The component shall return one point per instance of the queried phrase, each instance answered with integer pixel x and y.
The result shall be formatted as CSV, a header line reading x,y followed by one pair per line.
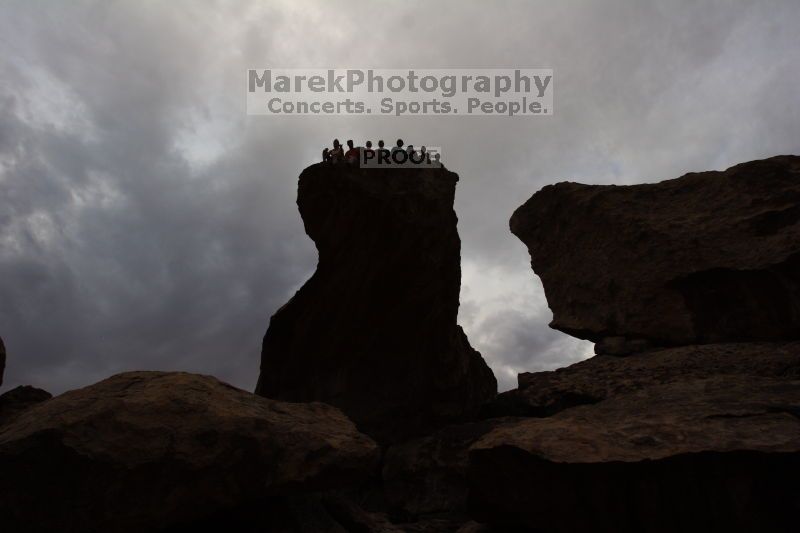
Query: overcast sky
x,y
146,222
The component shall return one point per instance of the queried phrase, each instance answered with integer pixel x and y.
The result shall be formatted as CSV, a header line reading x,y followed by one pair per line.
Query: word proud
x,y
400,158
396,92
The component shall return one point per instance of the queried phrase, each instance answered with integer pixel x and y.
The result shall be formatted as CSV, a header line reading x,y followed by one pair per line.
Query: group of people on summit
x,y
355,154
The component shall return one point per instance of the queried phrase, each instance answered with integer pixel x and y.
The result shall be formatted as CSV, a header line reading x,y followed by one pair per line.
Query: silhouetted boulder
x,y
714,454
143,451
17,400
374,330
708,257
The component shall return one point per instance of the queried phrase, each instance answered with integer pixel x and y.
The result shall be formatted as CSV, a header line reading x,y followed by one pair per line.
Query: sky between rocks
x,y
147,223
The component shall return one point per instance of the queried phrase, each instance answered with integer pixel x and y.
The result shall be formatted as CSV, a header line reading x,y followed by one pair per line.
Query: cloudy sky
x,y
146,222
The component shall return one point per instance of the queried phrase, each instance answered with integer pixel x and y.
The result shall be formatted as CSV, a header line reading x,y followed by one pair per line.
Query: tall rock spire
x,y
374,330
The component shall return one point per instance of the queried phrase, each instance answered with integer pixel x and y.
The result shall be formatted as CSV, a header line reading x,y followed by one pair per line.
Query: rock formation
x,y
603,376
714,429
721,453
374,330
633,399
695,280
143,451
701,435
17,400
708,257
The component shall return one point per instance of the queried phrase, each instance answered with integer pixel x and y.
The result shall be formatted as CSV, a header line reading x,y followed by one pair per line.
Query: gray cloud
x,y
146,222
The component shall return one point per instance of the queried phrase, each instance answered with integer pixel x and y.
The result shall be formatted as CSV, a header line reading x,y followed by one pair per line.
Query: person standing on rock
x,y
383,153
337,154
424,156
368,151
352,153
398,154
399,147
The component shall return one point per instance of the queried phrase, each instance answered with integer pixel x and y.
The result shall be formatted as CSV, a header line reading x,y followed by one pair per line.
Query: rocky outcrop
x,y
603,376
374,330
688,433
708,257
17,400
714,454
144,451
697,281
436,473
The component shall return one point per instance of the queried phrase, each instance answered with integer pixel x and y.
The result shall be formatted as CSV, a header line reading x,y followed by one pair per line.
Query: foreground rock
x,y
144,451
374,330
17,400
715,454
708,257
428,475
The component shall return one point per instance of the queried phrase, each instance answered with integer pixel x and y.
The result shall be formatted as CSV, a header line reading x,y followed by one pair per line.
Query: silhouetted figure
x,y
398,154
424,156
368,151
383,153
352,153
337,154
326,158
